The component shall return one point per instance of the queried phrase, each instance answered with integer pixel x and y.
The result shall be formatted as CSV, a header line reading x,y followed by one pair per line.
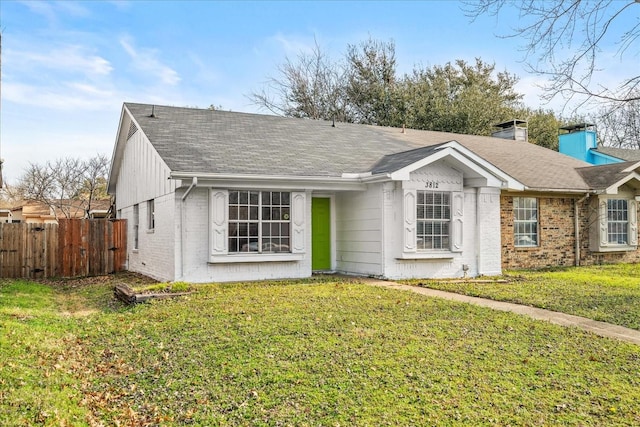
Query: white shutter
x,y
219,223
298,215
632,208
409,221
457,207
602,223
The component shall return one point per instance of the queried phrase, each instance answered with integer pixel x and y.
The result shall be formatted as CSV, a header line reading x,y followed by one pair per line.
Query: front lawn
x,y
609,293
316,352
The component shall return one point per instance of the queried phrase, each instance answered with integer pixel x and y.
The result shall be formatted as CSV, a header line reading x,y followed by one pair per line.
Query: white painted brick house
x,y
222,196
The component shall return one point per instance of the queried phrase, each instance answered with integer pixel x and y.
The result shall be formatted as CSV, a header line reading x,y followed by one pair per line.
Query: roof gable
x,y
608,178
476,171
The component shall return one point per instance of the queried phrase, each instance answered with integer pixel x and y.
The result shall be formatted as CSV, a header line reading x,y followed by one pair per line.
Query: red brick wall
x,y
556,236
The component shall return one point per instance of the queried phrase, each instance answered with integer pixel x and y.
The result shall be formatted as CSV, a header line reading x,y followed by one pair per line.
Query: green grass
x,y
315,352
609,293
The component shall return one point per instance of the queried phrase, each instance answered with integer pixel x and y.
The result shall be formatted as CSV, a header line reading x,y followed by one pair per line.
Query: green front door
x,y
321,234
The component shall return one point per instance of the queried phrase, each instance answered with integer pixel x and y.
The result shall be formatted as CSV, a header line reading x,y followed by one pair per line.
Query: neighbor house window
x,y
617,222
614,224
259,221
433,220
151,214
525,223
136,224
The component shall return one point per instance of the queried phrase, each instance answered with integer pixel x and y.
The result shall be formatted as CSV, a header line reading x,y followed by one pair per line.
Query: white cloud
x,y
65,96
69,59
146,60
292,45
51,10
41,8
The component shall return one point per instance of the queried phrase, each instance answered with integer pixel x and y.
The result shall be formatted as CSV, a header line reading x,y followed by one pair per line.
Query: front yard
x,y
608,293
319,352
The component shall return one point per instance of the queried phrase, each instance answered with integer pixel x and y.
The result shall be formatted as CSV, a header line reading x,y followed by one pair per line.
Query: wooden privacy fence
x,y
71,248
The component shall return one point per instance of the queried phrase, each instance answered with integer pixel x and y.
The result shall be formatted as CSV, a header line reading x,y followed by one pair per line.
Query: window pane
x,y
233,212
253,213
266,214
253,198
243,197
433,210
243,213
525,224
617,221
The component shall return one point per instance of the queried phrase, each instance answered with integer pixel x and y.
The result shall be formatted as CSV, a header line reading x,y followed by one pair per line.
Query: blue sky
x,y
67,67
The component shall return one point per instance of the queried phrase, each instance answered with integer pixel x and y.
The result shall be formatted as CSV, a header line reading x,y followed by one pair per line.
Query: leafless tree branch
x,y
563,40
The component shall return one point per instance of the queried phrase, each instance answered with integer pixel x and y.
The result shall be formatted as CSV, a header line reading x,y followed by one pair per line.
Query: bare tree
x,y
620,127
564,38
94,185
60,184
310,87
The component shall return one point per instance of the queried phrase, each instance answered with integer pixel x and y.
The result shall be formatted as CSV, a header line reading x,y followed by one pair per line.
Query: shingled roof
x,y
628,154
200,141
605,176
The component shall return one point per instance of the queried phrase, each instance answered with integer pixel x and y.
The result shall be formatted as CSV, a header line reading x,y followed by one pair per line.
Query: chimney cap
x,y
511,123
578,127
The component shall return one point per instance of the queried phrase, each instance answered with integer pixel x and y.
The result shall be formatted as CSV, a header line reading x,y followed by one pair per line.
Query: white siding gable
x,y
142,176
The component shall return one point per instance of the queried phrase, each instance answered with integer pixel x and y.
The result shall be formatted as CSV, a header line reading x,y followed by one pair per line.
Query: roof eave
x,y
272,181
556,190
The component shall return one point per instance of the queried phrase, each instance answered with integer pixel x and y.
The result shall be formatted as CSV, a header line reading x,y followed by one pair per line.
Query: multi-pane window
x,y
525,223
433,220
136,223
151,214
617,221
259,221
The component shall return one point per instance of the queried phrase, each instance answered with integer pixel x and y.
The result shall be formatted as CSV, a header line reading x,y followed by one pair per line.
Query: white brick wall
x,y
198,269
155,254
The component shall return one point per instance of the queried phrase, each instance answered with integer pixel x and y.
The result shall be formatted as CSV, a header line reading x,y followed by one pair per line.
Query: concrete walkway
x,y
598,328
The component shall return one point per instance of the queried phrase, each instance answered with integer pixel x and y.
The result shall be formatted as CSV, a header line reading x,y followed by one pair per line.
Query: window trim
x,y
526,222
599,231
410,220
151,215
136,227
442,221
625,211
261,222
219,229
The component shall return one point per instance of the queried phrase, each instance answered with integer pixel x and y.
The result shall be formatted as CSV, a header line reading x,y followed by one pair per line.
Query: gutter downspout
x,y
194,183
576,225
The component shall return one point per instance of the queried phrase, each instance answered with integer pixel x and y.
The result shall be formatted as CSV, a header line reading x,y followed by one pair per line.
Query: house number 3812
x,y
431,184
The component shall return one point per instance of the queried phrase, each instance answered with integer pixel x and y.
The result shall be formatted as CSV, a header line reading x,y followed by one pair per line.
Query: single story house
x,y
224,196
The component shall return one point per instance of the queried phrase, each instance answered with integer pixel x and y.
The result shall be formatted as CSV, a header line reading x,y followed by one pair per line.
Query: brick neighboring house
x,y
39,213
223,196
